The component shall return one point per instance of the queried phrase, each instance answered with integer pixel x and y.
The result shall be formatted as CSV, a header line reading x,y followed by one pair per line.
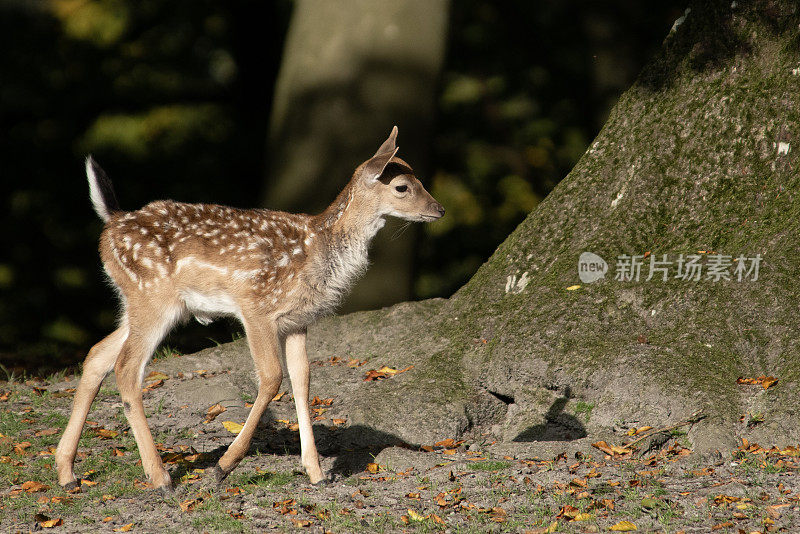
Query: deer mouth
x,y
429,218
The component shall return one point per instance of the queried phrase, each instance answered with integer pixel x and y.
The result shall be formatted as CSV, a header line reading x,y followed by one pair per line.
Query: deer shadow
x,y
557,426
353,447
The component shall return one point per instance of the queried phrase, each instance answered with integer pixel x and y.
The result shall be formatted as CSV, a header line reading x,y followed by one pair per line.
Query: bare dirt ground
x,y
377,484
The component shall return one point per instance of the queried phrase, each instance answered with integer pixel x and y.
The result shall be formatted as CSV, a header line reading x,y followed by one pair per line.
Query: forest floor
x,y
471,485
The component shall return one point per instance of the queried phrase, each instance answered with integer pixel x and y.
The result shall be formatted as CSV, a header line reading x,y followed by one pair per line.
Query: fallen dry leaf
x,y
301,522
768,381
105,433
155,375
573,288
50,523
33,486
153,385
124,528
189,505
232,427
623,526
568,511
213,412
384,372
278,396
544,530
373,468
763,380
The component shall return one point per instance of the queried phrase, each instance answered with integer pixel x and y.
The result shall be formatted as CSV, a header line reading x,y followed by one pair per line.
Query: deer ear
x,y
376,165
388,145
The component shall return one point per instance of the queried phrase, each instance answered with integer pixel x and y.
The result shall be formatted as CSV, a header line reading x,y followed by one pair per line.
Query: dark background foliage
x,y
173,98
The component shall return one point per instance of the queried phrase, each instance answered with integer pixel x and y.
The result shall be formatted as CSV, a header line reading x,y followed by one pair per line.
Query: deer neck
x,y
346,228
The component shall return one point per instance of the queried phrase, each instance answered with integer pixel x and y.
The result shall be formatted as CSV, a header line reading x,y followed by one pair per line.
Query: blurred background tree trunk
x,y
350,71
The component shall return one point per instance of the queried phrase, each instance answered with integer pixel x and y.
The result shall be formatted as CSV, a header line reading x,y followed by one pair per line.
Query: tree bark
x,y
351,70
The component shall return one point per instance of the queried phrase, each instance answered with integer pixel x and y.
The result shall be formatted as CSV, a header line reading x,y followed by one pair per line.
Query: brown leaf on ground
x,y
301,523
278,396
373,468
213,412
105,433
155,375
498,515
124,528
33,486
316,401
768,382
189,505
47,432
384,372
568,511
153,385
50,523
285,507
763,380
544,530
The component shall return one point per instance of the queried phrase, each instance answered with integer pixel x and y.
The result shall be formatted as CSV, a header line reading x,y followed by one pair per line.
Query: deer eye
x,y
401,188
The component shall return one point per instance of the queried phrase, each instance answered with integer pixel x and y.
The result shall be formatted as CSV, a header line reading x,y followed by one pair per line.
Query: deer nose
x,y
435,206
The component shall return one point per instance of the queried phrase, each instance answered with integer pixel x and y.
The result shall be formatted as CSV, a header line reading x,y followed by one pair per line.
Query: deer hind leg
x,y
147,328
262,338
99,362
297,365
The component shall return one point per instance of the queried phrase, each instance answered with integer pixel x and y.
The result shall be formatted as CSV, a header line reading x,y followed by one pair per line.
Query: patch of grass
x,y
584,408
10,424
266,479
165,352
340,520
215,518
489,466
11,376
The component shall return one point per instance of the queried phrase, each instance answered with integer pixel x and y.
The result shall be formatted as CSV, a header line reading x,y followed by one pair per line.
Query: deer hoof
x,y
71,487
220,474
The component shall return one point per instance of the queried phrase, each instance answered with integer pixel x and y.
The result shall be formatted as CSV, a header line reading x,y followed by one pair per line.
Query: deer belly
x,y
208,306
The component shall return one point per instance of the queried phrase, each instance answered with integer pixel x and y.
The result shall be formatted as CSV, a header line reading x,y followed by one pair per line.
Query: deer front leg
x,y
99,362
262,338
297,365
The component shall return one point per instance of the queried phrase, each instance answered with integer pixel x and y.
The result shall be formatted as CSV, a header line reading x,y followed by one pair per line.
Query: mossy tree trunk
x,y
350,71
701,154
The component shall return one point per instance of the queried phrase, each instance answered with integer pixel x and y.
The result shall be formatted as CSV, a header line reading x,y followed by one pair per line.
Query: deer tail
x,y
101,191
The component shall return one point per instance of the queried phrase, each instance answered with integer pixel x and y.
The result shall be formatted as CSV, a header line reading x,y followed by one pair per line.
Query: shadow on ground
x,y
352,447
557,426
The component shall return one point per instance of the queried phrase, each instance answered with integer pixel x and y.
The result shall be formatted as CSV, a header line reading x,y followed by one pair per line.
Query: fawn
x,y
275,272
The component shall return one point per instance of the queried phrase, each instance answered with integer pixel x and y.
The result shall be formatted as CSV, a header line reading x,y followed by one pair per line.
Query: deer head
x,y
388,184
